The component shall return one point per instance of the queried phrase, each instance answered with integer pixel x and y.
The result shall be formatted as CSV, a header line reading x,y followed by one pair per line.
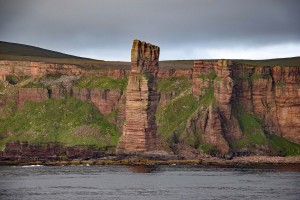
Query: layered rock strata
x,y
269,93
38,69
140,129
213,85
273,95
31,94
106,101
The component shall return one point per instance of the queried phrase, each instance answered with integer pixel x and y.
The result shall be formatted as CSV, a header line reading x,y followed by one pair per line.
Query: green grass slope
x,y
68,121
172,118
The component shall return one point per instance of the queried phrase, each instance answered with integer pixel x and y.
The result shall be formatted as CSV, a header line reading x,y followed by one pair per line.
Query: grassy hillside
x,y
68,121
172,118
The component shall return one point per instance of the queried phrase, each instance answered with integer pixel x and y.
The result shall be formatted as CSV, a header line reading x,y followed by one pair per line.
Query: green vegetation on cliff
x,y
8,103
174,84
211,75
283,146
100,82
1,85
172,118
253,132
207,95
208,98
208,148
68,121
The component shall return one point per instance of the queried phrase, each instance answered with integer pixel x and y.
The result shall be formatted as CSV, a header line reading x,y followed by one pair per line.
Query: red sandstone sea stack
x,y
140,129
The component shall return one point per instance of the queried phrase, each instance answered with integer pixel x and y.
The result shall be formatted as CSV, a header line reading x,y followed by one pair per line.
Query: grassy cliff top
x,y
21,52
293,61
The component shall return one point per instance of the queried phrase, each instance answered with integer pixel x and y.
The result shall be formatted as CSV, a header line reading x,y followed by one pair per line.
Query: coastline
x,y
211,161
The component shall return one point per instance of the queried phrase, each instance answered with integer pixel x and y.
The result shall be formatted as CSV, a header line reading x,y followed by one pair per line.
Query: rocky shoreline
x,y
237,161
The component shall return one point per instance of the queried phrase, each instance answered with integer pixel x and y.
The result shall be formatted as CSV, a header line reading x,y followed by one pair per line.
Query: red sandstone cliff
x,y
273,94
270,93
39,69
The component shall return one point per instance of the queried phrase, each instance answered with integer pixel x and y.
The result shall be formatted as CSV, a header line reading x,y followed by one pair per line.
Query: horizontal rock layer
x,y
270,93
140,129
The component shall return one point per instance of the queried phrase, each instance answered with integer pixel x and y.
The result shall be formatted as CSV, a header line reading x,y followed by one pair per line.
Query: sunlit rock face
x,y
140,129
271,94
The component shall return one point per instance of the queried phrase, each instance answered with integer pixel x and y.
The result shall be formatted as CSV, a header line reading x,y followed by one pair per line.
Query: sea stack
x,y
140,130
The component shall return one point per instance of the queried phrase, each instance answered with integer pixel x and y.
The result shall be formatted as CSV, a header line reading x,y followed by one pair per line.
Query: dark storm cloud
x,y
106,28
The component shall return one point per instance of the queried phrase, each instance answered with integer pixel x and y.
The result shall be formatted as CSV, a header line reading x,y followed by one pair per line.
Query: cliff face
x,y
140,130
39,69
271,93
108,102
105,100
217,107
232,96
213,86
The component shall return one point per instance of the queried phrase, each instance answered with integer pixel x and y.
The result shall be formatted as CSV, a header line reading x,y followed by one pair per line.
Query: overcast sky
x,y
184,29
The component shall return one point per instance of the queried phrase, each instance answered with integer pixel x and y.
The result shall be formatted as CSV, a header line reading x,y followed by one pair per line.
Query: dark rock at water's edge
x,y
24,151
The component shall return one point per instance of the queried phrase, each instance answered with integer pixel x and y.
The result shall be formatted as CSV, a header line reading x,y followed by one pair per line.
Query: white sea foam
x,y
32,166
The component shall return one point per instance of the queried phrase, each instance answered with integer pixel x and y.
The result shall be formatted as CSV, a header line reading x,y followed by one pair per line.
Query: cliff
x,y
242,103
218,107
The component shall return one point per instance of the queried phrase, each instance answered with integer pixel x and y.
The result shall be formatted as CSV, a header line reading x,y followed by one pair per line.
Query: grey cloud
x,y
75,26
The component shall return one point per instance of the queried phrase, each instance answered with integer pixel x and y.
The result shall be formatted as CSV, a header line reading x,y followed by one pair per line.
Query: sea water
x,y
142,182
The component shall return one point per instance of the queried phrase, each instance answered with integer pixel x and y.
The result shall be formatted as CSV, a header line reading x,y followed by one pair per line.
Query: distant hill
x,y
21,52
287,62
15,50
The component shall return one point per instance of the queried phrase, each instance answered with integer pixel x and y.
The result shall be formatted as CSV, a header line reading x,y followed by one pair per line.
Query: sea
x,y
35,182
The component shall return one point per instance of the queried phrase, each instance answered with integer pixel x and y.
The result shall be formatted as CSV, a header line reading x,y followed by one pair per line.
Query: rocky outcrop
x,y
31,94
105,100
140,130
50,151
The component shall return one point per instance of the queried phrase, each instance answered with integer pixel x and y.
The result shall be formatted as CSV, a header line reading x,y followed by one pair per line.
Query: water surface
x,y
161,182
